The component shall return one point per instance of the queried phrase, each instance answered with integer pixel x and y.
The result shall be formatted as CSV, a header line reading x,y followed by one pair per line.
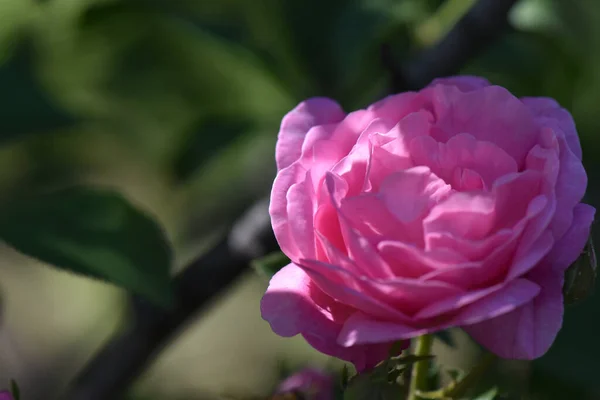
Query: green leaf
x,y
25,106
488,395
14,388
270,264
93,232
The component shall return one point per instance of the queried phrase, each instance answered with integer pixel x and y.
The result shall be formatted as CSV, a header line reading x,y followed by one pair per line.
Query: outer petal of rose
x,y
296,124
364,357
397,106
278,208
569,247
522,288
301,205
528,260
544,107
570,188
465,83
529,331
320,152
293,305
5,395
361,329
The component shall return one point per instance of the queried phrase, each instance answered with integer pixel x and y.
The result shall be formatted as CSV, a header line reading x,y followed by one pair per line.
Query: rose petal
x,y
321,155
568,248
464,83
524,261
409,261
490,114
363,253
353,167
293,305
339,283
279,211
570,188
327,226
510,207
409,194
368,214
385,161
465,152
405,295
512,296
296,124
529,331
301,204
397,106
361,329
463,214
499,248
456,302
545,108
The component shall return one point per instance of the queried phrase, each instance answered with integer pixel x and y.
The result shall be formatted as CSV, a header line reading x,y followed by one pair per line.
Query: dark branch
x,y
474,32
125,356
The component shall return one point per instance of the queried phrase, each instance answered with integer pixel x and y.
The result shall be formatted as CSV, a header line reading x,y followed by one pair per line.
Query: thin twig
x,y
125,356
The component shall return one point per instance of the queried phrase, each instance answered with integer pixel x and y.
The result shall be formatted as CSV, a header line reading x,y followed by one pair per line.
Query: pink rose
x,y
458,205
5,395
312,383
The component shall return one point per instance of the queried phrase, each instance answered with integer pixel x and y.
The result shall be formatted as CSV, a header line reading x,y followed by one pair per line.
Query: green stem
x,y
420,371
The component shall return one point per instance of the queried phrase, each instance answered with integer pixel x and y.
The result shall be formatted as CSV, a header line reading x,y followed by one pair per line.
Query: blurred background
x,y
176,104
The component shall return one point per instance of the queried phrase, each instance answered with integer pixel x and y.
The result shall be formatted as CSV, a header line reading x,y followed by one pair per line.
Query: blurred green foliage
x,y
187,95
94,233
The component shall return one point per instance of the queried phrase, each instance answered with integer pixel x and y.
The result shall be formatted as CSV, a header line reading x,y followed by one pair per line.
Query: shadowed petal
x,y
362,329
296,124
529,331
